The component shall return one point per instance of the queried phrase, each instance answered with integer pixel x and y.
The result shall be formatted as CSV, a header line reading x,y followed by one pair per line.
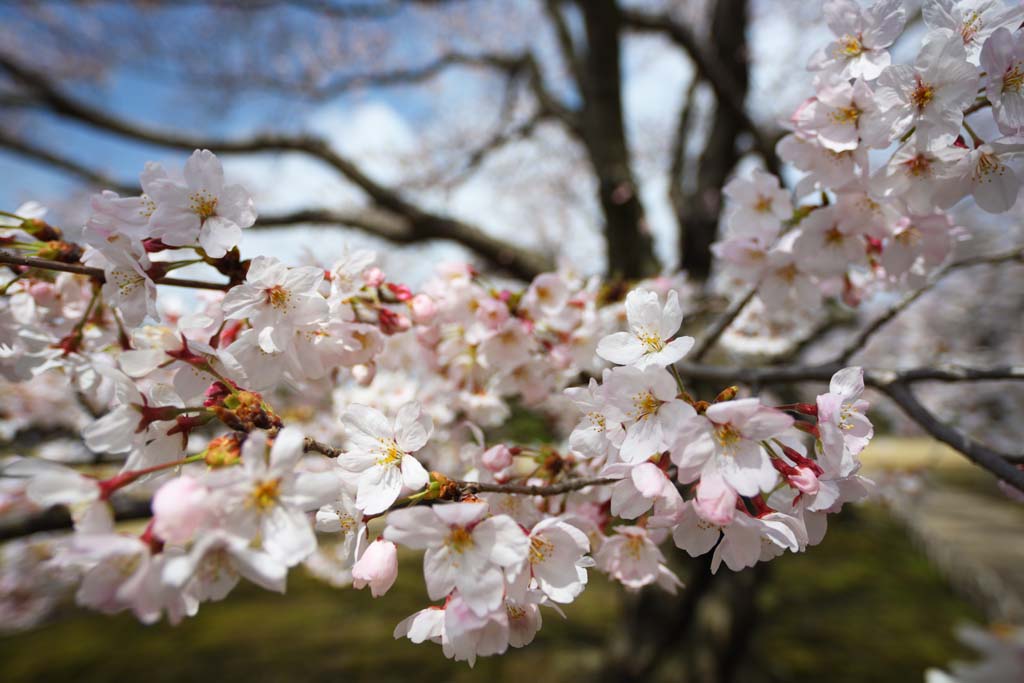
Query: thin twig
x,y
532,490
97,273
707,341
865,335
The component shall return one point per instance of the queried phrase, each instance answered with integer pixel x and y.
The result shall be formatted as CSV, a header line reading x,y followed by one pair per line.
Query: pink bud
x,y
391,322
378,568
805,481
180,508
423,309
719,508
373,277
497,458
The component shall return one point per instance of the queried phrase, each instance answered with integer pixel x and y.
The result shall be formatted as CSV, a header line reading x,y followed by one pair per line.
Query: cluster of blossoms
x,y
323,415
238,489
885,149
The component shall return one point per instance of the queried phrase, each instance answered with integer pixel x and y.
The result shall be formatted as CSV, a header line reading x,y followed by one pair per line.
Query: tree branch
x,y
629,246
712,334
89,175
97,273
549,490
726,90
896,385
975,451
59,519
423,225
865,335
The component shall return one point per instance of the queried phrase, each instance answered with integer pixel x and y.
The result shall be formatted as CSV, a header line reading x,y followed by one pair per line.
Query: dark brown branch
x,y
509,64
711,335
629,246
896,385
424,225
722,83
58,518
975,451
553,9
677,166
876,377
89,175
311,445
97,273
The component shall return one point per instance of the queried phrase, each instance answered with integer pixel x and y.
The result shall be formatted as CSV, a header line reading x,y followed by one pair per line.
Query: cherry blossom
x,y
651,326
465,551
931,95
202,209
862,38
380,453
1002,57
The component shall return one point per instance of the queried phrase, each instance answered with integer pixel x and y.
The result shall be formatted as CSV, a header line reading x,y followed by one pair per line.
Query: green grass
x,y
863,606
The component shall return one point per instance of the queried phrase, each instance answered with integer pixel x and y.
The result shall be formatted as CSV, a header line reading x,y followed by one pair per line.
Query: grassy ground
x,y
863,606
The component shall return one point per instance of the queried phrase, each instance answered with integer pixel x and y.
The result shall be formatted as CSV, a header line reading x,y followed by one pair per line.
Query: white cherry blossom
x,y
380,454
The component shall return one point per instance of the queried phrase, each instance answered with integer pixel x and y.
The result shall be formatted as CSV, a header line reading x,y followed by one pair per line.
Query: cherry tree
x,y
326,413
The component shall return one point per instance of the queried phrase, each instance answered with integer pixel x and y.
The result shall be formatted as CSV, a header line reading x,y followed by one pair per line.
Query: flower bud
x,y
497,458
377,568
805,481
373,277
223,451
718,509
180,509
423,309
391,322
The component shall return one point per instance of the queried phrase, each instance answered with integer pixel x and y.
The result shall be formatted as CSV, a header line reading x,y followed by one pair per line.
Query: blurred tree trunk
x,y
698,211
630,247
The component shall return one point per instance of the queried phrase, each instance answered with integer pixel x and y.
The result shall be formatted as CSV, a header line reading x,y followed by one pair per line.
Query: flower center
x,y
918,166
265,493
459,540
651,341
986,166
126,281
972,25
646,404
845,115
278,297
634,544
540,549
390,453
922,94
203,204
1013,79
148,206
514,612
910,235
763,204
833,236
850,46
728,437
787,273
